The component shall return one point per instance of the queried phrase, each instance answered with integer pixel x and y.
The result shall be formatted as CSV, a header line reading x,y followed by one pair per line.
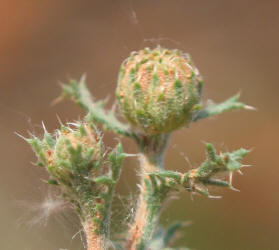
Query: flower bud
x,y
73,157
158,90
77,152
74,160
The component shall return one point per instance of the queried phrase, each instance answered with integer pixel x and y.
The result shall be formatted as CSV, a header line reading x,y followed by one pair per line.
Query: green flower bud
x,y
76,153
73,159
158,90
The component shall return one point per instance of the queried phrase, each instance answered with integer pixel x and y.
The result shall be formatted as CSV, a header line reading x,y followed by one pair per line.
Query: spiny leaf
x,y
211,153
233,165
79,93
171,231
52,182
216,109
104,180
239,154
169,174
116,158
49,140
216,182
153,182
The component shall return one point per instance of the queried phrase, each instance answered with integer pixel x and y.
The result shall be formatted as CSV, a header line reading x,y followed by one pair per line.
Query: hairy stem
x,y
95,241
149,206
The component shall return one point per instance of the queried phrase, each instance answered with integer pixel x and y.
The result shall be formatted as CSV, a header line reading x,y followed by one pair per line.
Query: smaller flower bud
x,y
73,160
158,90
82,142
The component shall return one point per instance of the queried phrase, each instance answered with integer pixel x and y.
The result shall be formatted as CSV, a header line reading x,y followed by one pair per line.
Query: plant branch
x,y
79,93
158,184
196,180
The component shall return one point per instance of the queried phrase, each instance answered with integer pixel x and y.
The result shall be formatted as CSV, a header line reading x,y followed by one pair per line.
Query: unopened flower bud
x,y
158,90
77,152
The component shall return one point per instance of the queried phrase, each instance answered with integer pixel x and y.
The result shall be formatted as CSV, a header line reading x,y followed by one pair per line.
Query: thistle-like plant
x,y
158,92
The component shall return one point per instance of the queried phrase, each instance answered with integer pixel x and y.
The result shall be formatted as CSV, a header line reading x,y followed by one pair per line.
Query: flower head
x,y
158,90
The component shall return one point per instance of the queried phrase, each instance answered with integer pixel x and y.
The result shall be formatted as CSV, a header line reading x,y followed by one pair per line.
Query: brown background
x,y
235,46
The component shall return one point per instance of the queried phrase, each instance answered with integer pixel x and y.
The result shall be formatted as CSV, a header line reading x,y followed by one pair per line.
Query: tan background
x,y
235,46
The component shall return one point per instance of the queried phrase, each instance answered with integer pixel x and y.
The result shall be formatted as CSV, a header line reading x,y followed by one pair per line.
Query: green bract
x,y
158,90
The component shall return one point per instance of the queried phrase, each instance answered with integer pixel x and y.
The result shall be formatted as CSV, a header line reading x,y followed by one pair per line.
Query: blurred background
x,y
235,46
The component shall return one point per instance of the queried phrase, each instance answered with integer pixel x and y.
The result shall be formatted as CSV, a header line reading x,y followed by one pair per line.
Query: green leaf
x,y
104,180
116,158
169,174
171,232
232,159
49,140
233,165
79,93
211,153
52,182
218,108
216,182
239,154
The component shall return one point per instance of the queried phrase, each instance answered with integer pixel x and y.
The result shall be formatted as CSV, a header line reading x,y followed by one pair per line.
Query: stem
x,y
95,241
152,150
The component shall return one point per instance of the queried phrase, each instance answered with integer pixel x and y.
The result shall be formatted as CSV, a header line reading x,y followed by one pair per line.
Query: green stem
x,y
152,204
152,150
